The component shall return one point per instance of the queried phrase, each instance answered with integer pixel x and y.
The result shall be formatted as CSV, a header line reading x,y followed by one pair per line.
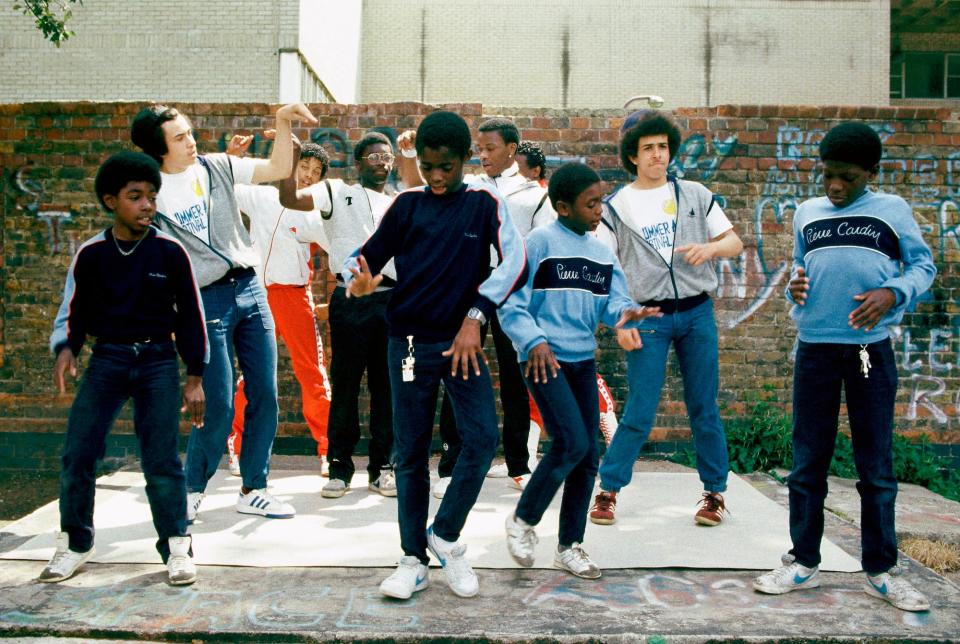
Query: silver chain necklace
x,y
127,253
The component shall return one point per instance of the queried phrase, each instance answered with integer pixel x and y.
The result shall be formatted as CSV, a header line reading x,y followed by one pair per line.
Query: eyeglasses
x,y
377,157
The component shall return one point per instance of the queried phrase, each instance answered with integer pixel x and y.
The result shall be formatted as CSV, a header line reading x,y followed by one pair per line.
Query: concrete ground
x,y
124,601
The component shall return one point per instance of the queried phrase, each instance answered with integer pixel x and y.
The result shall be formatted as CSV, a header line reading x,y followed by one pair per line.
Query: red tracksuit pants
x,y
292,309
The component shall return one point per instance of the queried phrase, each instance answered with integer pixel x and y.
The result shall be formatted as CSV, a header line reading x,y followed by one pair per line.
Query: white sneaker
x,y
787,578
518,482
460,576
576,560
233,462
193,505
889,587
386,484
410,577
521,540
439,487
65,562
262,503
180,567
608,426
324,467
334,489
498,471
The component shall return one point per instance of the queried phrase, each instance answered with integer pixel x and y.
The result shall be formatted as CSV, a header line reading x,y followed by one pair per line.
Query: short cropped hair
x,y
146,132
852,142
370,138
646,123
122,168
316,151
569,181
533,153
444,129
508,131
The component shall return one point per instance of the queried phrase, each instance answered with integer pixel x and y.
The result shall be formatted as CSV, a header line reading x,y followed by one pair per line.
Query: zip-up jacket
x,y
228,244
440,244
649,275
151,293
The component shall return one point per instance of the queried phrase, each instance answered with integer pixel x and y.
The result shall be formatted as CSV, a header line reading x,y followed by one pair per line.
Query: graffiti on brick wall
x,y
30,197
928,371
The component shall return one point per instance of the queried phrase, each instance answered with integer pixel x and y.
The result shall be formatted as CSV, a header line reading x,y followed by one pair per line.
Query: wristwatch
x,y
477,314
410,153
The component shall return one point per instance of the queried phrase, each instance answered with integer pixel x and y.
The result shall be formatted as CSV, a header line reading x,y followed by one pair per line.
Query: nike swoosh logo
x,y
797,579
880,589
420,580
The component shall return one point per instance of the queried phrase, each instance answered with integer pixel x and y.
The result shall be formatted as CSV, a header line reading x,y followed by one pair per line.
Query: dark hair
x,y
316,151
368,139
533,153
122,168
443,129
508,131
646,123
852,142
146,132
569,181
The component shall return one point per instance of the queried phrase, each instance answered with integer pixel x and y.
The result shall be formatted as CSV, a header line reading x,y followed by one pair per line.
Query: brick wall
x,y
760,161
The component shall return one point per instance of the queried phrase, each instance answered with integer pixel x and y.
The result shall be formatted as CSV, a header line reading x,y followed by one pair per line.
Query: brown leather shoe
x,y
604,508
712,509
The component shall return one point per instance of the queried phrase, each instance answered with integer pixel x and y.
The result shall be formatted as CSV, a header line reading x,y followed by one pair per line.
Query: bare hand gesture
x,y
629,339
363,282
696,254
239,144
193,400
66,361
296,112
407,140
465,349
876,302
539,359
639,313
799,286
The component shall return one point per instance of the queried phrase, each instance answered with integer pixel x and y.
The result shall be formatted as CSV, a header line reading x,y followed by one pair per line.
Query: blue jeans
x,y
820,372
238,323
147,373
694,337
414,408
571,414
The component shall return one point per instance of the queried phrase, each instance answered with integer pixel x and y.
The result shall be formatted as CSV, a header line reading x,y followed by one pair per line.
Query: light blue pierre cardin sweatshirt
x,y
573,283
872,243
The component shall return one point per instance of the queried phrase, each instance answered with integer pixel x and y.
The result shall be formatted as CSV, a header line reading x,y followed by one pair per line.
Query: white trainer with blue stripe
x,y
262,503
787,578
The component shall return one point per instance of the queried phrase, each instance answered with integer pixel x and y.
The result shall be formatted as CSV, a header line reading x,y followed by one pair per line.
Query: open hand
x,y
66,361
539,359
876,302
465,349
363,282
194,402
799,286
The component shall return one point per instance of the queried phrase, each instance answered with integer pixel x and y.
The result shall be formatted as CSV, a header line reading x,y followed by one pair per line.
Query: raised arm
x,y
407,167
279,165
290,197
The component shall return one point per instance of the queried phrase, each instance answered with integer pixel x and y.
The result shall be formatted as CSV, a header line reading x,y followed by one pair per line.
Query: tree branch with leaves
x,y
50,17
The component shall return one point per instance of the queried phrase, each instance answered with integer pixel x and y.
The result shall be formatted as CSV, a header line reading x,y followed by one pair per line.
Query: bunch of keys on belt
x,y
864,361
406,365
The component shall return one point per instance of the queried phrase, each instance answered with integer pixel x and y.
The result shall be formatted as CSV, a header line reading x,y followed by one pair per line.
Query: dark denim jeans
x,y
414,408
820,372
358,339
239,323
513,401
148,374
693,334
571,414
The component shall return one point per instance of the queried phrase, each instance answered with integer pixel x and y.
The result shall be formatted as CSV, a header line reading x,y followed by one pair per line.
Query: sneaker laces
x,y
178,563
387,478
604,502
579,555
713,502
455,560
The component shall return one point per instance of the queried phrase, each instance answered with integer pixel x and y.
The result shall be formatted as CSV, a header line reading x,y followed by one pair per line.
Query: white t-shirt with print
x,y
652,214
185,196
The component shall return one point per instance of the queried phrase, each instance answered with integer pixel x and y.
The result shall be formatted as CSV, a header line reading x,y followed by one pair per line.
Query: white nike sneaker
x,y
787,578
410,577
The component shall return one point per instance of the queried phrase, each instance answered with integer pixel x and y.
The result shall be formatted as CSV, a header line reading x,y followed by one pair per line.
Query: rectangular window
x,y
924,74
896,77
953,75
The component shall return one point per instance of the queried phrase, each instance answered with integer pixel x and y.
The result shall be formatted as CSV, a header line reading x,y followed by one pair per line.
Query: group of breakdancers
x,y
421,277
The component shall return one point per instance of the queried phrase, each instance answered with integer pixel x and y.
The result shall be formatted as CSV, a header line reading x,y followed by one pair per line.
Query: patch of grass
x,y
938,556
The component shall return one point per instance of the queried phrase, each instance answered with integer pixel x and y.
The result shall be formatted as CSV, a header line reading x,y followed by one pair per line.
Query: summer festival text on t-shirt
x,y
193,218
